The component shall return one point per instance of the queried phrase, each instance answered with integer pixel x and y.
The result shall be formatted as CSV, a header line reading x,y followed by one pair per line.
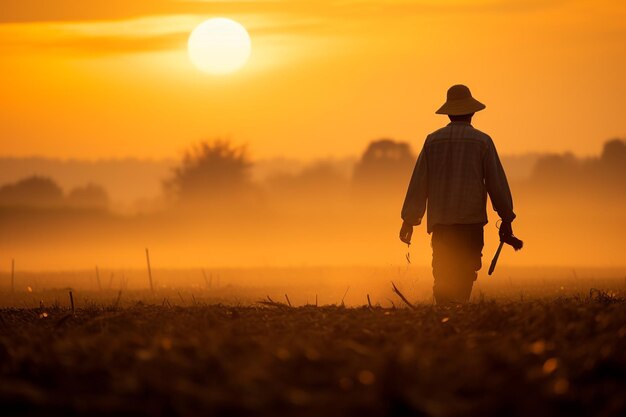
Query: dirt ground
x,y
542,357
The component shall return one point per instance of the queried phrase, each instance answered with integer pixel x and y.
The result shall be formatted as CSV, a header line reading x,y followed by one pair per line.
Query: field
x,y
182,355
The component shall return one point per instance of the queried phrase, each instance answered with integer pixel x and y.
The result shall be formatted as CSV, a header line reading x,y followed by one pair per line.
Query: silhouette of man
x,y
456,169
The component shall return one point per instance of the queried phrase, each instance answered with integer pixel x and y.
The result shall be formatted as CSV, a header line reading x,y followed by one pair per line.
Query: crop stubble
x,y
563,356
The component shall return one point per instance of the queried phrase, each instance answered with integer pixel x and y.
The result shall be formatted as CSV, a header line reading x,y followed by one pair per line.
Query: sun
x,y
219,46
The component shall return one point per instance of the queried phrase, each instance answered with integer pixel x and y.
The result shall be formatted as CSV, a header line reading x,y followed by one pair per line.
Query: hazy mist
x,y
232,211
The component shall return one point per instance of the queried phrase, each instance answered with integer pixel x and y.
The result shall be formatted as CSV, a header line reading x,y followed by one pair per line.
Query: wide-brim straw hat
x,y
460,102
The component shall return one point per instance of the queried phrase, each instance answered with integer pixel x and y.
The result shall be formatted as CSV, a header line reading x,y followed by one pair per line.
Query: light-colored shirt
x,y
456,169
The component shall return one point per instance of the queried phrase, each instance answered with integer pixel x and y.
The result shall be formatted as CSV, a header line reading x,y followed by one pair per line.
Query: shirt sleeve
x,y
497,185
417,194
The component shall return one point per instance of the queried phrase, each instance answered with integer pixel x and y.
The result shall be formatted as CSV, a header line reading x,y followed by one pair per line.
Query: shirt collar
x,y
459,123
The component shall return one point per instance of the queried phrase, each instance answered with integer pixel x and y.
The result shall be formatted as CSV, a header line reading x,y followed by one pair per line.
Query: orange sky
x,y
112,78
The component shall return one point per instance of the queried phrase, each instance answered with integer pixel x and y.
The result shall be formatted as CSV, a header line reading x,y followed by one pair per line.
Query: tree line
x,y
39,191
219,171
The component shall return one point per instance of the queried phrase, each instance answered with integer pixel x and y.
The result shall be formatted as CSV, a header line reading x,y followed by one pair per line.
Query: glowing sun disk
x,y
219,46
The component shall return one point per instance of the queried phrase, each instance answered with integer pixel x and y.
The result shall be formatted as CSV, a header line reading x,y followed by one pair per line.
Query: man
x,y
456,169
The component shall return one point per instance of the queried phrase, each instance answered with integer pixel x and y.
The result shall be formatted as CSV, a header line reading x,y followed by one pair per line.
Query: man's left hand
x,y
406,231
506,230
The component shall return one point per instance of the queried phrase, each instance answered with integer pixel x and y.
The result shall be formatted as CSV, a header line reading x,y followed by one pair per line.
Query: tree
x,y
89,196
33,191
556,169
385,164
211,172
319,180
610,168
614,153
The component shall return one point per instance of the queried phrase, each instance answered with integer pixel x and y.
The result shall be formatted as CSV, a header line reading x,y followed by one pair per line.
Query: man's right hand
x,y
406,231
506,230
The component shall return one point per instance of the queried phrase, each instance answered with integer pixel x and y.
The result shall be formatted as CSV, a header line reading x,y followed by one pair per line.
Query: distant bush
x,y
210,172
321,179
88,196
557,167
385,164
614,154
44,192
33,191
566,171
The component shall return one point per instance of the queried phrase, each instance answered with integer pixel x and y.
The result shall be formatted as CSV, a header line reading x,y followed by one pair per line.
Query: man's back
x,y
457,167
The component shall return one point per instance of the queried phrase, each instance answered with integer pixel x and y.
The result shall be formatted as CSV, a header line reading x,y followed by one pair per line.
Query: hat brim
x,y
461,107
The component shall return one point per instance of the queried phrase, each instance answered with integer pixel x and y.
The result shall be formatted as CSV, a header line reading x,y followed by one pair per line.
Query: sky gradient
x,y
104,79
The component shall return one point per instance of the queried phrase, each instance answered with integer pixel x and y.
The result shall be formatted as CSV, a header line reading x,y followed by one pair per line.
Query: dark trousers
x,y
457,253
